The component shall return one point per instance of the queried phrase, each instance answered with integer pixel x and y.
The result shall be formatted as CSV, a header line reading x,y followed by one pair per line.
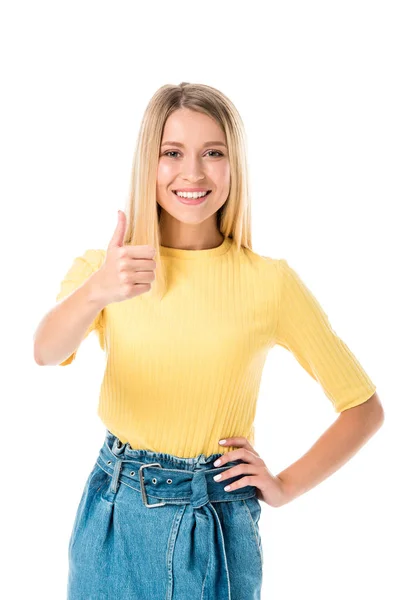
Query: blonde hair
x,y
143,211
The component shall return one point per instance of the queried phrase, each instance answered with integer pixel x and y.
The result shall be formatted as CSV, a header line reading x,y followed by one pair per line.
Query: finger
x,y
234,441
242,483
240,442
240,454
119,232
242,469
148,264
144,251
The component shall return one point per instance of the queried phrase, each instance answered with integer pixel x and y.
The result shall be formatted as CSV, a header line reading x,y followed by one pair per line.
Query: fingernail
x,y
222,441
217,462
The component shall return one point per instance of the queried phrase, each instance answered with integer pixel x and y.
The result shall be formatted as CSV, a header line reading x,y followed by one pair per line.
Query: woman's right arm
x,y
61,330
121,273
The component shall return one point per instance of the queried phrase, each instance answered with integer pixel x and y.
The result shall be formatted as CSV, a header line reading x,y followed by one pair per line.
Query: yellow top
x,y
184,372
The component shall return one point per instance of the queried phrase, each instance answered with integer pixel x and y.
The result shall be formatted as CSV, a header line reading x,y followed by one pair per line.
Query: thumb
x,y
119,233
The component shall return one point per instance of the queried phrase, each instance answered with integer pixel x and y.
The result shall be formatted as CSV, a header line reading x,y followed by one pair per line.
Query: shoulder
x,y
264,270
80,269
280,271
86,263
90,259
94,257
268,263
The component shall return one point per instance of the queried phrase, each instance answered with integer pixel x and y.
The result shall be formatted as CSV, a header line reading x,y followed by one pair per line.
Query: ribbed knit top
x,y
184,372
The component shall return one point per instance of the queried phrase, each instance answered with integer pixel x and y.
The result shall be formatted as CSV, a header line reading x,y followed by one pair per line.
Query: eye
x,y
176,152
215,152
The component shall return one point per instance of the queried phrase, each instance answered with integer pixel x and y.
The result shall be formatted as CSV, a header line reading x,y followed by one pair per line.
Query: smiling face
x,y
193,154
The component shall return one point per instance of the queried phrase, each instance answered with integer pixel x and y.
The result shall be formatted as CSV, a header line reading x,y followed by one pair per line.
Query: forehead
x,y
188,126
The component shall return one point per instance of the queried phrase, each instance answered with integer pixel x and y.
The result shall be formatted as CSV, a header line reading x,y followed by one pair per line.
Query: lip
x,y
192,201
193,189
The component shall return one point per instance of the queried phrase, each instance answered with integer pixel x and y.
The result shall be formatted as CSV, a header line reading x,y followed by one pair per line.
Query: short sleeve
x,y
80,270
304,329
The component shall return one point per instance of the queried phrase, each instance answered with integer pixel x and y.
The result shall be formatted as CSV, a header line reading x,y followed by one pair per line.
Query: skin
x,y
197,164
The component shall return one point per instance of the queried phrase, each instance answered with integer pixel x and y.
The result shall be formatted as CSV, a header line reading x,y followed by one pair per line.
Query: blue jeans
x,y
154,526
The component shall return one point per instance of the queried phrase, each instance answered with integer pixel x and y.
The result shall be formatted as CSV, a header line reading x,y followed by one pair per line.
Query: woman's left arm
x,y
349,432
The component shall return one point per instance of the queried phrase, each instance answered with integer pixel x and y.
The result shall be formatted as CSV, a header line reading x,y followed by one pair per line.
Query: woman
x,y
186,337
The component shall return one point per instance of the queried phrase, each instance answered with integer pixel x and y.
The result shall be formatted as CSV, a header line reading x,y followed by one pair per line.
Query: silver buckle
x,y
141,477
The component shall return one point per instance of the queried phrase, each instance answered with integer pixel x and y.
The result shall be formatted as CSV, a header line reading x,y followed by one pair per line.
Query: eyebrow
x,y
183,145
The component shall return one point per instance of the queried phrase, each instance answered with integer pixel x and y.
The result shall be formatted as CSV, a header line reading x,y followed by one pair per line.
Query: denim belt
x,y
181,486
171,486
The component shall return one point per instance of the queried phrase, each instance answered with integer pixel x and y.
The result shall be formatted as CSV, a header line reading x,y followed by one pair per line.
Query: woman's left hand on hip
x,y
270,488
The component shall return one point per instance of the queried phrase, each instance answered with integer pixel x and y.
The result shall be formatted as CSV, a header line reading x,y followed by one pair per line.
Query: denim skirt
x,y
154,526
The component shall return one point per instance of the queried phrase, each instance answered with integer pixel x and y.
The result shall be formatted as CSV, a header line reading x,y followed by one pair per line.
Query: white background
x,y
317,85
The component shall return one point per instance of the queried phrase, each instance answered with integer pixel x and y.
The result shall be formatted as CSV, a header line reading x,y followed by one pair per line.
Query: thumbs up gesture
x,y
127,271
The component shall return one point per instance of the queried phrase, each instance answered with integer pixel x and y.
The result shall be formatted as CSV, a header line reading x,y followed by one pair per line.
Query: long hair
x,y
143,211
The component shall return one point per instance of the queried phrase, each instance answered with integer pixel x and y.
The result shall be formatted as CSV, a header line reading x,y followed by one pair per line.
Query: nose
x,y
192,169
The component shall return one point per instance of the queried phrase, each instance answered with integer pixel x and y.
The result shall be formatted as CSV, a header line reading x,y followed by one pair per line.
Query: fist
x,y
127,271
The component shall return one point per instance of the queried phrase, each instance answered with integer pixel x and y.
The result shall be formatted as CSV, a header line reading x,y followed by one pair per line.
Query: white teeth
x,y
191,194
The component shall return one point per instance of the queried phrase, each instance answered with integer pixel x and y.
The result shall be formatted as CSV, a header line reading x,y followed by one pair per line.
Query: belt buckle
x,y
141,477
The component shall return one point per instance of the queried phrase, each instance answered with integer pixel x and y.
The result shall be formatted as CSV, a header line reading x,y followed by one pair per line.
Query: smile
x,y
194,201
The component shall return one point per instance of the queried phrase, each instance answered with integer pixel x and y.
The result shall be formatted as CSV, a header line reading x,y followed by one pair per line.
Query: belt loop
x,y
117,469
